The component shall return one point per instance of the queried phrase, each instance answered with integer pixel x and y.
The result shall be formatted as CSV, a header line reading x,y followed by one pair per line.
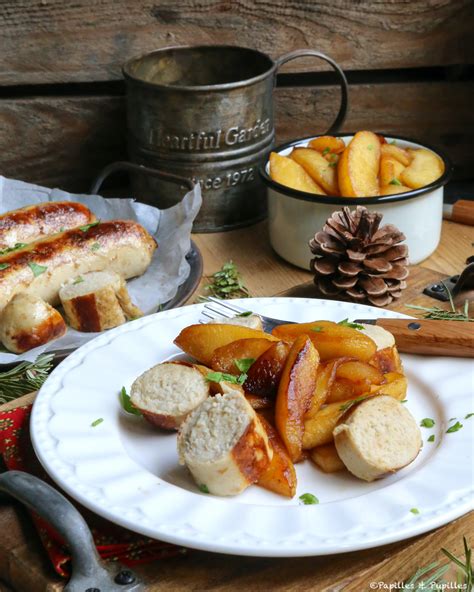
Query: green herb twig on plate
x,y
24,378
439,314
226,283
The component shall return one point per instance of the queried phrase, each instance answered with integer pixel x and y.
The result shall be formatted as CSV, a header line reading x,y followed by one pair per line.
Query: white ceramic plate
x,y
128,472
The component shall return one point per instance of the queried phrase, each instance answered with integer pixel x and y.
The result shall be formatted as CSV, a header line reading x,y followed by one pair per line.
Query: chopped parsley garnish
x,y
370,147
95,247
37,269
97,422
414,510
127,404
86,227
326,151
395,182
4,265
347,323
454,428
11,249
427,422
404,401
431,438
204,488
469,415
317,329
352,402
309,499
224,377
78,280
247,313
244,364
333,164
62,229
393,142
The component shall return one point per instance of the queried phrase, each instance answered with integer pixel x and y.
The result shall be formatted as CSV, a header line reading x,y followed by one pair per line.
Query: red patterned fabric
x,y
113,542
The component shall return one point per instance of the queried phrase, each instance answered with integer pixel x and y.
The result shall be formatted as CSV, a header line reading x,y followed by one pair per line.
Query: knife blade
x,y
428,337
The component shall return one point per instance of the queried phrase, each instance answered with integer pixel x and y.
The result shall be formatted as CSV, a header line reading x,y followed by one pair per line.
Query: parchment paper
x,y
168,269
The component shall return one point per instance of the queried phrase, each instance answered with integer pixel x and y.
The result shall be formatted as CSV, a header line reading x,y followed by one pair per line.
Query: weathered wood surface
x,y
64,141
54,41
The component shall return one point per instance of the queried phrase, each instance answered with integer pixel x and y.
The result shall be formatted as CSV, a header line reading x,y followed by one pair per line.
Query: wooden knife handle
x,y
463,212
432,338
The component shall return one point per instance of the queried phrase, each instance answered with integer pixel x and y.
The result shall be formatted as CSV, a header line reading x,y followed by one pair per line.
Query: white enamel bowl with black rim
x,y
295,216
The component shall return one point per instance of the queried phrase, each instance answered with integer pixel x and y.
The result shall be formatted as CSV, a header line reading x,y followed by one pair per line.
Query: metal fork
x,y
216,308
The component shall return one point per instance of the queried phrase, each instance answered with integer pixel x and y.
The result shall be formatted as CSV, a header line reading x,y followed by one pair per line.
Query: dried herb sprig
x,y
227,283
438,314
24,378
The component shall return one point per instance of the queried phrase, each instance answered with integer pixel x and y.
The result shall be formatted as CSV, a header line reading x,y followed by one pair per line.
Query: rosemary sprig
x,y
24,378
438,314
227,283
434,572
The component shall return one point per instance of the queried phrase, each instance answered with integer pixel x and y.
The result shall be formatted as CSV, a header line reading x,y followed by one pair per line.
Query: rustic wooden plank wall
x,y
62,103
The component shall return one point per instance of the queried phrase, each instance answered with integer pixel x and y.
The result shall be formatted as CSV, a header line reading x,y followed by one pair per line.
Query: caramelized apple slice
x,y
297,384
200,341
264,374
326,458
331,339
280,476
224,358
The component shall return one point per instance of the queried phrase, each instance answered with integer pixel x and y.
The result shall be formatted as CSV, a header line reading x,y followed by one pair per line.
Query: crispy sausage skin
x,y
42,267
35,222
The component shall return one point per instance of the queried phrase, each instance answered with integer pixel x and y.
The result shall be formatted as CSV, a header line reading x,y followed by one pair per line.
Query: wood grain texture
x,y
64,141
56,41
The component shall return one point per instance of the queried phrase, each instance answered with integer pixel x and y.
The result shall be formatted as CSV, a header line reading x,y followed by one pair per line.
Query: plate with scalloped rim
x,y
127,471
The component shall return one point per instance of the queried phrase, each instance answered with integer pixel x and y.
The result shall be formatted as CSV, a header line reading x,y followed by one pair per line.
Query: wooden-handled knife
x,y
428,337
461,211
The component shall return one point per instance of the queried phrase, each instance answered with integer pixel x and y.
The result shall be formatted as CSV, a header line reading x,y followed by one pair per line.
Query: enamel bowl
x,y
295,216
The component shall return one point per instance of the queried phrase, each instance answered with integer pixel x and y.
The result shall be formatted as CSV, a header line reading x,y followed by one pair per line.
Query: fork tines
x,y
219,308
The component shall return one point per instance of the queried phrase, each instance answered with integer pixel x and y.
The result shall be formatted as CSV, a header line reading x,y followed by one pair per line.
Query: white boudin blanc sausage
x,y
31,223
41,268
97,301
379,436
168,392
224,445
27,322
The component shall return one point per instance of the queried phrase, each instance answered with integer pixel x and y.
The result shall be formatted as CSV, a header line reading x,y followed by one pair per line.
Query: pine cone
x,y
358,260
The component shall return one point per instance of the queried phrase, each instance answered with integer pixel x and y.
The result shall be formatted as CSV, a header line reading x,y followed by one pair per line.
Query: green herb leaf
x,y
309,499
244,364
37,269
427,422
97,422
469,415
333,164
404,401
247,313
95,247
62,229
395,182
78,280
326,151
224,377
86,227
317,329
11,249
352,402
414,510
370,147
346,323
439,314
431,438
203,488
4,266
127,404
227,283
454,428
393,142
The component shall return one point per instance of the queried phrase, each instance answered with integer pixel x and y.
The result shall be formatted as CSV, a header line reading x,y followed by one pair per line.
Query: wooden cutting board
x,y
25,568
